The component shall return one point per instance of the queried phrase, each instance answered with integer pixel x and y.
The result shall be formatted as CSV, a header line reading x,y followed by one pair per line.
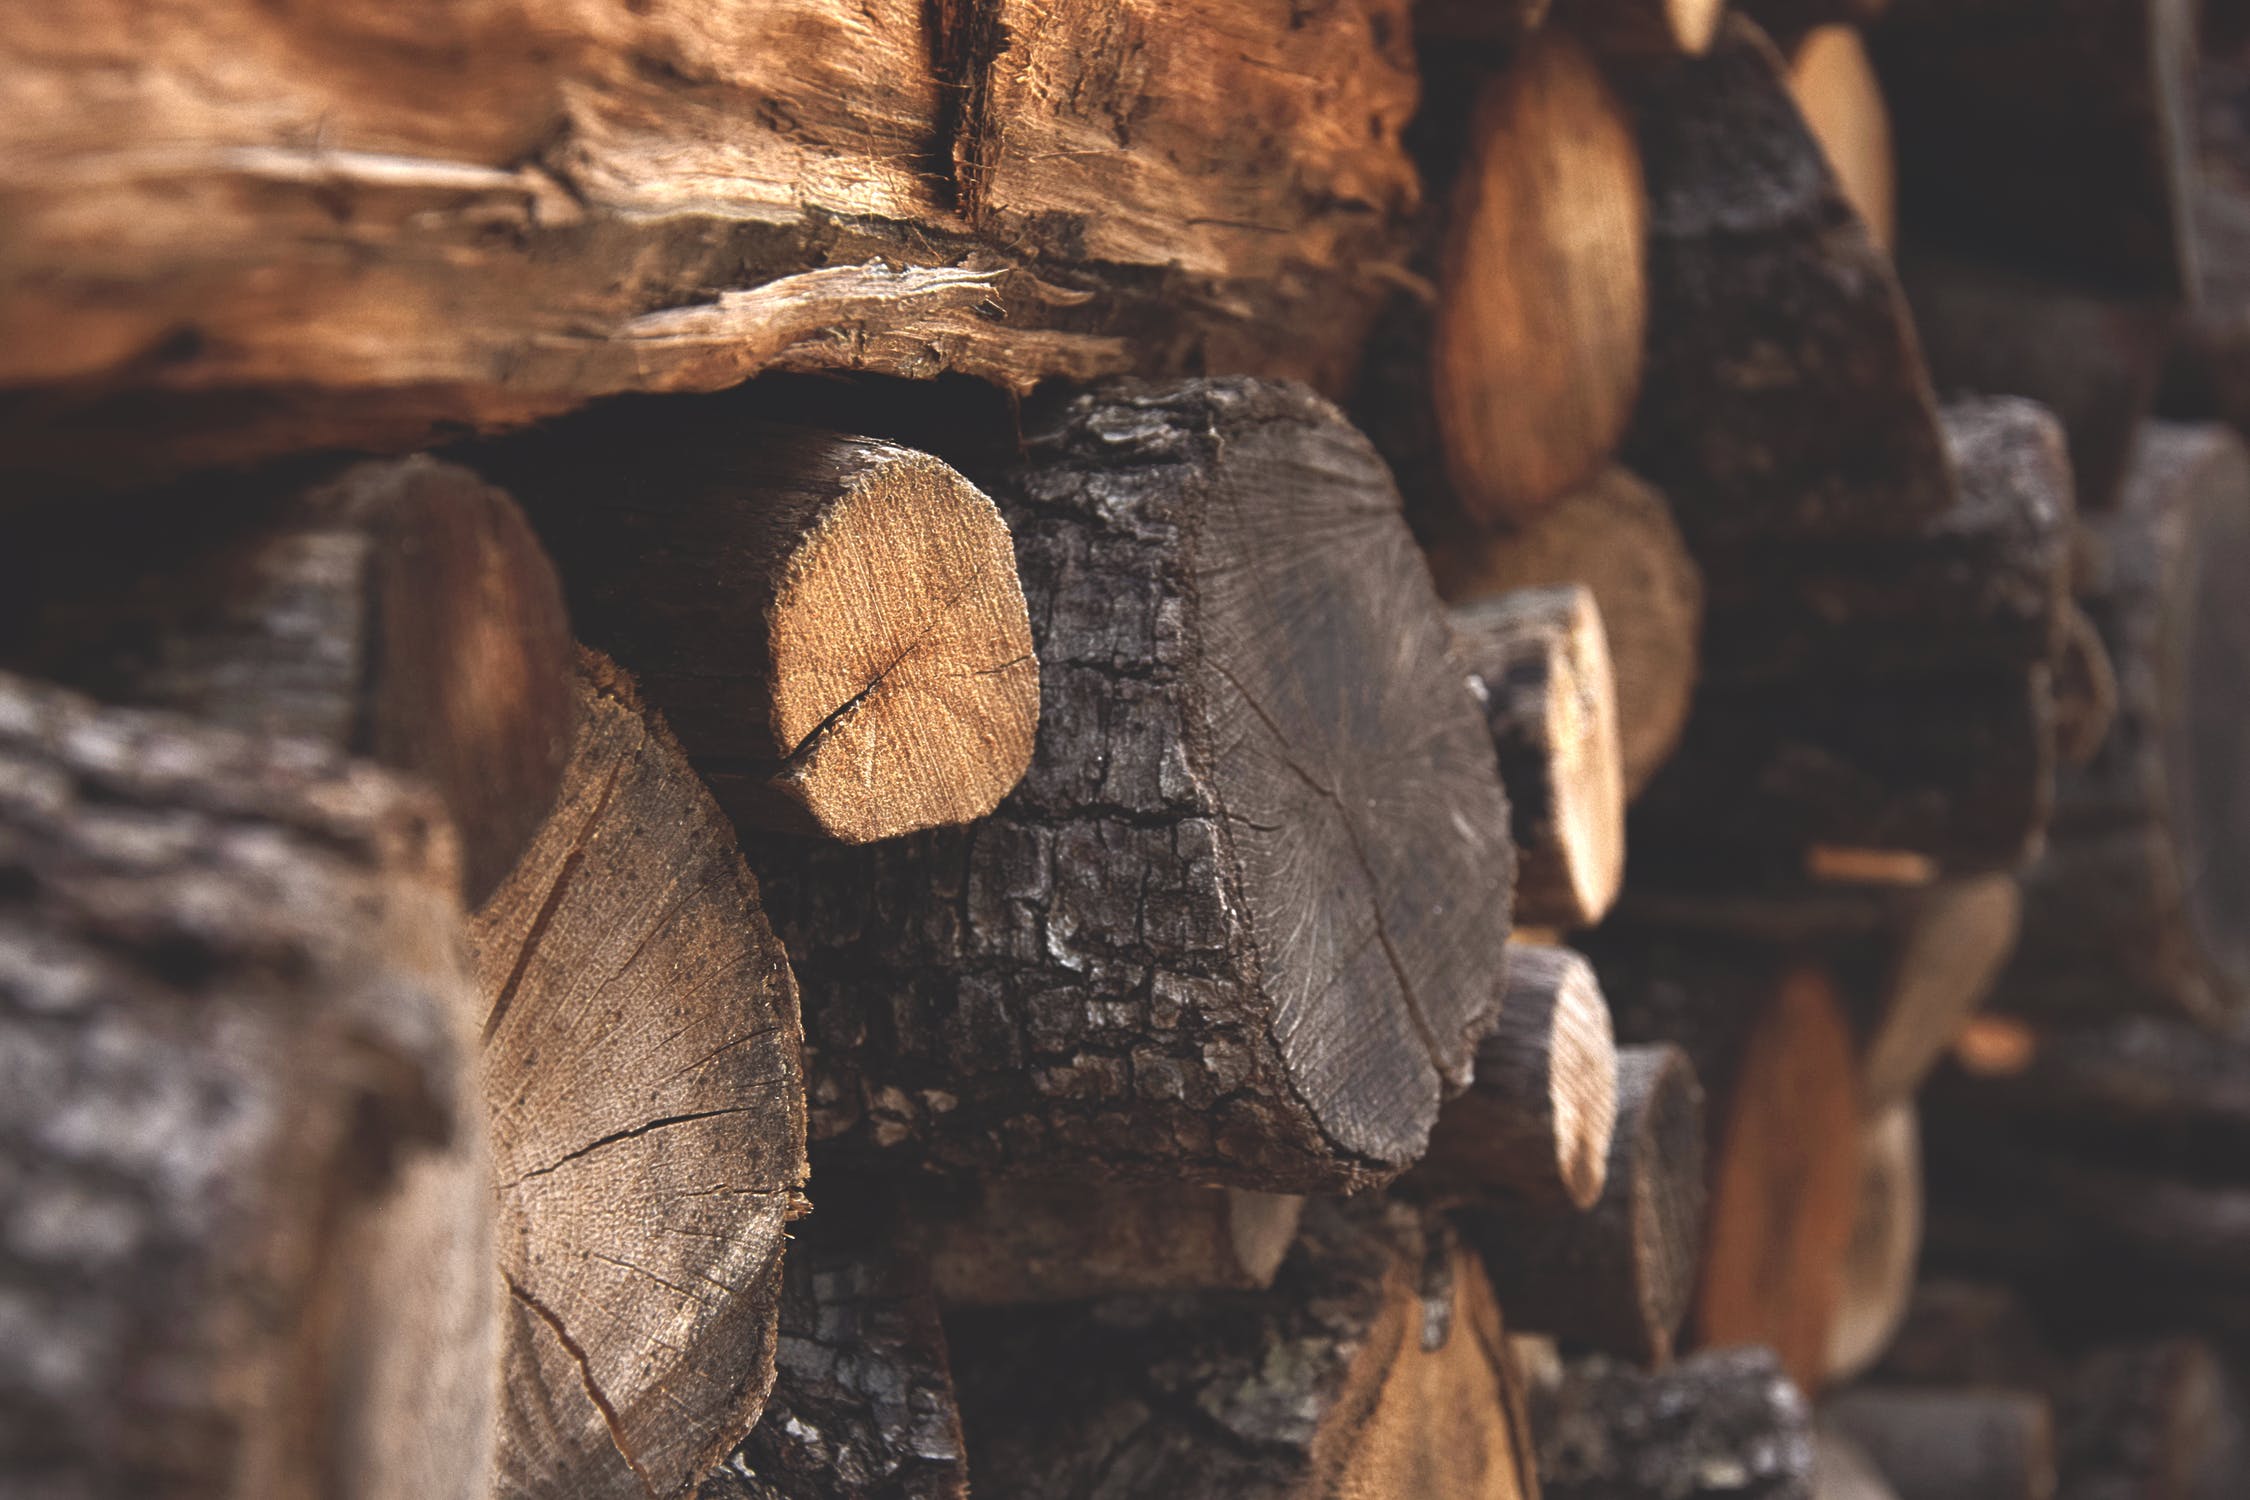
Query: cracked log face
x,y
247,1248
1246,914
831,624
641,1070
368,227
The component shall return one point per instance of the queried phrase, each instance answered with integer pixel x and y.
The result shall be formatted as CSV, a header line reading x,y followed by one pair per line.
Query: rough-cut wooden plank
x,y
436,215
862,1405
1375,1365
641,1068
248,1242
1617,538
1244,919
402,611
1724,1423
831,624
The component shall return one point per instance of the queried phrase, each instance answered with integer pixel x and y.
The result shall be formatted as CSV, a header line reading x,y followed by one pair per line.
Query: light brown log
x,y
1784,1183
1616,537
363,226
1537,343
1638,29
1037,1240
1967,1444
1541,660
1723,1423
1835,88
2136,904
247,1248
1537,1122
1617,1277
1886,1242
1243,922
1375,1365
401,611
832,624
648,1120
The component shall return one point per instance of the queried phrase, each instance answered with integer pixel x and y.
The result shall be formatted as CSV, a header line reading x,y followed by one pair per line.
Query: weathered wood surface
x,y
248,1245
1618,1276
642,1073
1886,1243
830,623
361,227
1375,1365
401,611
1616,537
1244,919
1722,1423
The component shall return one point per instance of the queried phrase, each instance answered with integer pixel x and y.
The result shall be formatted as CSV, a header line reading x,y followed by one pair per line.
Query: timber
x,y
1261,968
1834,85
249,1250
1935,1444
1541,659
1724,1422
831,624
1886,1243
1617,1277
1537,1123
1640,30
401,611
641,1071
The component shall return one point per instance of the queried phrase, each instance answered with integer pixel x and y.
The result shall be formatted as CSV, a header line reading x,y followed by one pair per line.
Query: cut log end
x,y
1886,1243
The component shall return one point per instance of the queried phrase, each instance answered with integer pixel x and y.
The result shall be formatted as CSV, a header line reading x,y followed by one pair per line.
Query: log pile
x,y
1317,751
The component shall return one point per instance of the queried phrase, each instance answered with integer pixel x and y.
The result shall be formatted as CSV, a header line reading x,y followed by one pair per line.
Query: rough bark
x,y
248,1248
2052,134
1617,538
1835,87
1886,1243
648,1121
1934,1444
1066,1240
2138,1422
862,1405
1617,1277
1541,659
1536,1124
401,611
2168,1087
1245,917
831,624
2137,902
1723,1423
1374,1366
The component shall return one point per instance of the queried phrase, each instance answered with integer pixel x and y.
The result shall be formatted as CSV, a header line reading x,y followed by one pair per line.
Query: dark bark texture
x,y
1724,1423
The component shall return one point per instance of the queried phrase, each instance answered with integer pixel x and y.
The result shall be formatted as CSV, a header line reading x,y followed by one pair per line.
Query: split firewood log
x,y
1375,1365
1068,1240
1835,87
1245,918
831,624
249,1244
648,1121
401,611
862,1405
1886,1243
1615,537
1541,660
1618,1276
1937,1444
506,214
2136,903
1722,1423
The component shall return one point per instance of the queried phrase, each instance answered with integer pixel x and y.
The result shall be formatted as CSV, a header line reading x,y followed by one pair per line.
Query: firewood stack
x,y
1176,748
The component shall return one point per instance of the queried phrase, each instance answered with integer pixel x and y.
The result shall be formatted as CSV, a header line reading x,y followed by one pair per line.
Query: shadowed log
x,y
1502,21
1542,661
1537,1122
2141,1420
1616,1277
1244,919
641,1069
831,624
1375,1365
248,1243
1723,1423
1643,29
1843,1471
1934,1444
1886,1243
1615,537
1065,1241
401,611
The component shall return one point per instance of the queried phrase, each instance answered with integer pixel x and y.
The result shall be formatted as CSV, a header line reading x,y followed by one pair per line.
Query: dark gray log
x,y
1245,918
1723,1423
248,1244
1937,1444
